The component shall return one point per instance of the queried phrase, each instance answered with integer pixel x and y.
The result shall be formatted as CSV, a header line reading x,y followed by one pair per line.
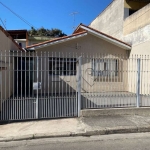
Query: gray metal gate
x,y
38,85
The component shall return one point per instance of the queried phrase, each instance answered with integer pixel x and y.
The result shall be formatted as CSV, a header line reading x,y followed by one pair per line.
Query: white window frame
x,y
105,67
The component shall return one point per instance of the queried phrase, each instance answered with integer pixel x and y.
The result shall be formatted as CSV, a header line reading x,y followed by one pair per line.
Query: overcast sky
x,y
50,13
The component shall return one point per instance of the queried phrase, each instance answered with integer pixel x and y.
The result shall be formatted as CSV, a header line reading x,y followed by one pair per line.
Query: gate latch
x,y
36,85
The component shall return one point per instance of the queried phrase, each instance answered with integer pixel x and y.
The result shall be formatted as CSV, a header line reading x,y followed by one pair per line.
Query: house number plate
x,y
36,85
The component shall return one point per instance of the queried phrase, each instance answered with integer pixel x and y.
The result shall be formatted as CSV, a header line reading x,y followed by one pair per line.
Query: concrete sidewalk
x,y
84,126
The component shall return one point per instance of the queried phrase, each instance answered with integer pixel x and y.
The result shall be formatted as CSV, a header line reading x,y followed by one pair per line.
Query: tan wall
x,y
86,45
7,80
102,83
141,51
137,20
6,44
90,83
110,21
141,48
6,86
144,74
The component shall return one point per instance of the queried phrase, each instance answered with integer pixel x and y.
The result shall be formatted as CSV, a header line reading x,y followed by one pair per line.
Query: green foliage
x,y
46,32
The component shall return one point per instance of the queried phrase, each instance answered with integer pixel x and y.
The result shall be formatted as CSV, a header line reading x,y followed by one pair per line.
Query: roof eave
x,y
113,41
56,42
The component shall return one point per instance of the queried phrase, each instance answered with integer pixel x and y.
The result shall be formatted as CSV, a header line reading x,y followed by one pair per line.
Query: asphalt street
x,y
138,141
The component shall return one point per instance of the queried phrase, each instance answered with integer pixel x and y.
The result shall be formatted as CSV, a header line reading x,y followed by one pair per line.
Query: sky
x,y
50,13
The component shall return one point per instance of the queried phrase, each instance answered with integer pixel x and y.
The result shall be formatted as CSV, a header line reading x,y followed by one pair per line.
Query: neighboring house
x,y
7,43
20,36
24,39
84,40
129,21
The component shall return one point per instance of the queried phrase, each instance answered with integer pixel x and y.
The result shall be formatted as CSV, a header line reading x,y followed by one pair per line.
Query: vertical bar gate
x,y
38,86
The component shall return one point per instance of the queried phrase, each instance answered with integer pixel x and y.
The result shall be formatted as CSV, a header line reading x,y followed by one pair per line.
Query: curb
x,y
105,131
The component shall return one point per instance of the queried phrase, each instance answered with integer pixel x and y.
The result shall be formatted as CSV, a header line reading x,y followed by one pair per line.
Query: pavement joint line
x,y
105,131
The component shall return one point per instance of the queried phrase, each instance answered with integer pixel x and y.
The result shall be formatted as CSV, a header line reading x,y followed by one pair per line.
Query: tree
x,y
32,31
54,32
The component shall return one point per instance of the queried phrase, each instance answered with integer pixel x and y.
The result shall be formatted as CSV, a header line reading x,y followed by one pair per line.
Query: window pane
x,y
104,67
62,66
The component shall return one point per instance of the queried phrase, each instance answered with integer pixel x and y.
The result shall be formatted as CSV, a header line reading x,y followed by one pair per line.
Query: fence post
x,y
79,85
138,83
37,100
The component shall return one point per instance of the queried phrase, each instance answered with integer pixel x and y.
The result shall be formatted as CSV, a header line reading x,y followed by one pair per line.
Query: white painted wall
x,y
22,41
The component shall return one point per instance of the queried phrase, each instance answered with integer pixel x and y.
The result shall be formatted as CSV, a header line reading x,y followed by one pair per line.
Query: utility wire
x,y
29,24
3,24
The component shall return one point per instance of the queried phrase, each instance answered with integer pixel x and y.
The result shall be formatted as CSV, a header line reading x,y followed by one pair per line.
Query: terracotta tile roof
x,y
75,33
8,35
100,33
77,28
56,39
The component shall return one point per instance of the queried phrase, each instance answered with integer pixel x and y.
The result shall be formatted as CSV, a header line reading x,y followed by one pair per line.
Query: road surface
x,y
138,141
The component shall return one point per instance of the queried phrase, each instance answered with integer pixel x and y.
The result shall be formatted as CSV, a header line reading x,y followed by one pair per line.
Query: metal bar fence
x,y
37,85
112,81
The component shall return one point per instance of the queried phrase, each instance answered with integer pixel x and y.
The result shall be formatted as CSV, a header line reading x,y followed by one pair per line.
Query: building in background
x,y
127,20
20,36
24,39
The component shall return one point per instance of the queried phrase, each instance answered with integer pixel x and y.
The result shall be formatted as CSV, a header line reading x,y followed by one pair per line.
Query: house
x,y
95,67
20,36
24,39
103,59
129,21
7,44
